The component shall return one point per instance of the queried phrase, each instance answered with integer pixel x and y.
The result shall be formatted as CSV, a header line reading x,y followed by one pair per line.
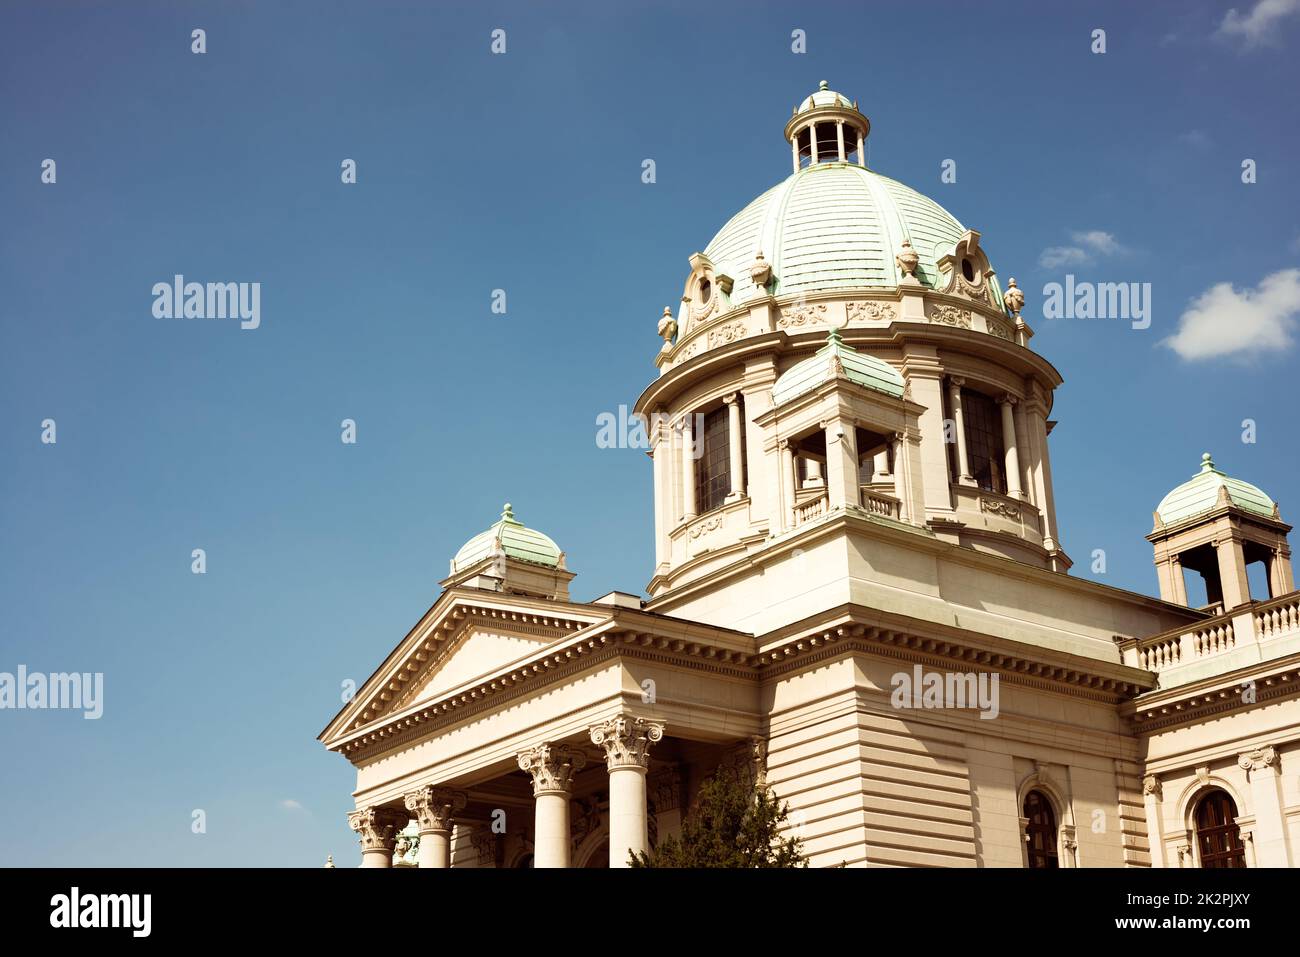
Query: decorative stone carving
x,y
1001,330
485,843
710,524
667,328
867,311
999,507
950,316
433,808
1151,785
1013,298
728,333
761,270
1258,759
907,259
666,786
552,767
627,741
801,314
586,820
377,827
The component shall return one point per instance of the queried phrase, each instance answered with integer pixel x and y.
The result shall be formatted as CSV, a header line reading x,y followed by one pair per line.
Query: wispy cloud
x,y
289,804
1253,322
1087,246
1258,26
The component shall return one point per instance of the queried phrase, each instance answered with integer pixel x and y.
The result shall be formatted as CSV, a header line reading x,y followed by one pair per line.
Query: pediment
x,y
467,633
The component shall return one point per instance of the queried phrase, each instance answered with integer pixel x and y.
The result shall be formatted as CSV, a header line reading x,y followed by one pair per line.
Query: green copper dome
x,y
835,360
1201,494
514,539
833,226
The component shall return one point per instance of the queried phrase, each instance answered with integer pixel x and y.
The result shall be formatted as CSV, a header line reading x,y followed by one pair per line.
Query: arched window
x,y
1040,832
713,467
1217,836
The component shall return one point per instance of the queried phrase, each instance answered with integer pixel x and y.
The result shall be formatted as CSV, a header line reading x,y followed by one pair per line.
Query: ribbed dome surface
x,y
835,360
516,541
833,226
1201,494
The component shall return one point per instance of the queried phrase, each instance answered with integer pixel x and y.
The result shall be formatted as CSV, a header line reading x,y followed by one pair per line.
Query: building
x,y
858,591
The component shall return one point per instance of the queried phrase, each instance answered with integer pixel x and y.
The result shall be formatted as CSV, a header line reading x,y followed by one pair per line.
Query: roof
x,y
1201,494
824,96
515,540
833,226
836,360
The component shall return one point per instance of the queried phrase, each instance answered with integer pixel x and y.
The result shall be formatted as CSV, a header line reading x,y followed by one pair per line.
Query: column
x,y
661,447
433,809
1009,444
1177,580
1152,796
1232,573
794,153
812,141
814,478
1035,417
552,768
1263,767
959,426
377,827
841,463
734,436
688,468
880,466
839,136
900,477
786,460
862,153
627,741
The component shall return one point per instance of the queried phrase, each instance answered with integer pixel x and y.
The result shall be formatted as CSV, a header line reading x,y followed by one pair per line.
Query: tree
x,y
734,824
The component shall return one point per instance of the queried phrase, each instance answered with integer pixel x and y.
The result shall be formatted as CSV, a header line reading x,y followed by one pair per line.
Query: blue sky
x,y
521,172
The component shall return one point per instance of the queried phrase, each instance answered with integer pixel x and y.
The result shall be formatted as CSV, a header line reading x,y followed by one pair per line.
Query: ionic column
x,y
433,809
1007,405
552,768
734,436
1152,796
786,460
688,469
627,741
959,425
377,827
839,136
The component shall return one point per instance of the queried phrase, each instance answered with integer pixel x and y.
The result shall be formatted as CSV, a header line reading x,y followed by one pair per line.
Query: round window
x,y
706,291
968,269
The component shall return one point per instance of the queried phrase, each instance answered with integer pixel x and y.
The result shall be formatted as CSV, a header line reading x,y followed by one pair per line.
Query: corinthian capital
x,y
377,826
552,767
627,741
433,808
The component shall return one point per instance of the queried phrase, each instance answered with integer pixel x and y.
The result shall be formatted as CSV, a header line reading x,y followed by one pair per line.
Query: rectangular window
x,y
983,440
713,468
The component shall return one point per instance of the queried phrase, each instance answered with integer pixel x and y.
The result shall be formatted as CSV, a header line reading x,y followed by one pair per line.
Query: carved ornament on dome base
x,y
802,314
871,312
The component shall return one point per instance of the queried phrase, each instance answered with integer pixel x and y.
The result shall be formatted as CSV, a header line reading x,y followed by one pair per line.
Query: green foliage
x,y
733,824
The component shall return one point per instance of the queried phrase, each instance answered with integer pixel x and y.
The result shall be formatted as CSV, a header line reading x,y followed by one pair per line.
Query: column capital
x,y
626,740
1008,399
1257,759
552,767
731,397
377,827
433,808
956,381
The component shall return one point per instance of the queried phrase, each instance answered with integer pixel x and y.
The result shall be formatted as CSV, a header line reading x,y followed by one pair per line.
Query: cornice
x,y
1217,695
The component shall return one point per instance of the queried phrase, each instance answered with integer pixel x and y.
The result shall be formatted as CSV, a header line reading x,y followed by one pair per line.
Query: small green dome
x,y
1201,494
832,361
514,539
833,226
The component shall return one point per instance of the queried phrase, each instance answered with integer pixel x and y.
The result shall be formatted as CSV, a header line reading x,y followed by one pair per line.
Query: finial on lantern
x,y
667,328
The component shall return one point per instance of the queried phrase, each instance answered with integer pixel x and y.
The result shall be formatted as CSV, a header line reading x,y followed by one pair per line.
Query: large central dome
x,y
833,226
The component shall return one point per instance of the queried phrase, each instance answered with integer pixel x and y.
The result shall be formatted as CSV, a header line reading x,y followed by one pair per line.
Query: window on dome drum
x,y
706,291
828,144
1217,837
967,270
984,450
804,138
1040,832
713,468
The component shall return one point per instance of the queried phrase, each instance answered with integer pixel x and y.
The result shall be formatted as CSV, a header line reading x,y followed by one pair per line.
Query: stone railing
x,y
1235,636
1278,617
885,506
812,509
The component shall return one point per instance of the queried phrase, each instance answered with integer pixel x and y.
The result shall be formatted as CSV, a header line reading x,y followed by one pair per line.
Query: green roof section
x,y
833,226
1201,494
512,537
832,361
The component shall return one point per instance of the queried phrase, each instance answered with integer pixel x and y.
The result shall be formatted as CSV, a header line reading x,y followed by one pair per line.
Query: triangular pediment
x,y
467,633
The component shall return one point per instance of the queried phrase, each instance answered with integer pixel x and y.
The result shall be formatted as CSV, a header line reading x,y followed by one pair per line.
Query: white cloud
x,y
1088,244
289,804
1224,322
1258,26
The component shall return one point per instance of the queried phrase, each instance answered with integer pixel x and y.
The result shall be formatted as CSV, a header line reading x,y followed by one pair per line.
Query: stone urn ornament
x,y
667,328
761,270
1013,298
908,260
